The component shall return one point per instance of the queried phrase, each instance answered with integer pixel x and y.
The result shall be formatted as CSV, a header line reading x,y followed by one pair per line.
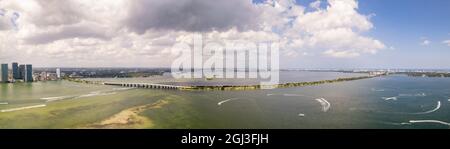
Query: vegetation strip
x,y
252,87
285,85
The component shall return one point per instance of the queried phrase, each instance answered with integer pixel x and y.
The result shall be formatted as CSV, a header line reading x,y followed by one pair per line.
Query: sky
x,y
312,33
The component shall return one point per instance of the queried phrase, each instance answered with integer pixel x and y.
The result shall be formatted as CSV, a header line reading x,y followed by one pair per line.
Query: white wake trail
x,y
23,108
50,99
324,103
389,98
429,121
377,90
227,100
438,106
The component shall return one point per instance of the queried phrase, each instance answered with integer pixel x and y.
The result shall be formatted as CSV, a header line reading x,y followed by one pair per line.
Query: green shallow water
x,y
353,104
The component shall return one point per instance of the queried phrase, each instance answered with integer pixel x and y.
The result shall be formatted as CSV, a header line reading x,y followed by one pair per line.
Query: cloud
x,y
103,32
191,15
341,54
83,30
338,14
447,42
56,13
8,19
425,42
339,26
315,4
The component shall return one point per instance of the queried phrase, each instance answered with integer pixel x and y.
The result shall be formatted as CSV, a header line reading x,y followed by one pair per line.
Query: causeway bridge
x,y
144,85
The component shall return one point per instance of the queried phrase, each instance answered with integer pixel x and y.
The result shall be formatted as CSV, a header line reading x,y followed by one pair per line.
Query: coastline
x,y
284,85
251,87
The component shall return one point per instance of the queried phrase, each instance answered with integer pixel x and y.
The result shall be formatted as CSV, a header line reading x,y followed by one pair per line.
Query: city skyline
x,y
313,34
16,72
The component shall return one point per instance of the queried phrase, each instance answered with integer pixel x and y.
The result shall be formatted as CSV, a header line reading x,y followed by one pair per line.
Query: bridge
x,y
144,85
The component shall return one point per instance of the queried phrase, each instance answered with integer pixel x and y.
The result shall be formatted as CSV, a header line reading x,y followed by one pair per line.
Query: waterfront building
x,y
28,73
58,73
21,72
4,73
42,77
15,70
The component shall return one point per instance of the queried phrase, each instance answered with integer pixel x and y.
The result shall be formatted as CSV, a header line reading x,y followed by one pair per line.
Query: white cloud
x,y
140,33
339,26
425,42
8,19
447,42
315,4
341,54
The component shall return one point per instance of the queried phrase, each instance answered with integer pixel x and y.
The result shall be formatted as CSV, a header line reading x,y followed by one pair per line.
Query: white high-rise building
x,y
58,73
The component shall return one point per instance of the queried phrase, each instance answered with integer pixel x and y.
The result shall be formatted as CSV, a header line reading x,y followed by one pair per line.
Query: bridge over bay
x,y
144,85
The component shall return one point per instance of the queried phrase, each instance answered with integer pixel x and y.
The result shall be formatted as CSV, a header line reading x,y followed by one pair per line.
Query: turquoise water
x,y
394,101
384,102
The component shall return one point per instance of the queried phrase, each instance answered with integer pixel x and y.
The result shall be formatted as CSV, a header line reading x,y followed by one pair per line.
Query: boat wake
x,y
3,103
50,99
91,94
377,90
413,95
438,106
227,100
96,94
404,95
122,89
389,98
398,124
324,103
289,95
23,108
429,121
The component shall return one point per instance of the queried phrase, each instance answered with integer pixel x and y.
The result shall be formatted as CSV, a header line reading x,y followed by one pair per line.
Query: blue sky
x,y
401,25
404,24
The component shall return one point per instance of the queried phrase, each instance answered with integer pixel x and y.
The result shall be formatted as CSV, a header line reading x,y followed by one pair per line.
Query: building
x,y
28,73
58,73
45,76
15,71
21,71
4,73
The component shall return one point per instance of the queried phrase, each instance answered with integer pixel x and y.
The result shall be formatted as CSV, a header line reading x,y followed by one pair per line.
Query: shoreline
x,y
283,85
128,118
250,87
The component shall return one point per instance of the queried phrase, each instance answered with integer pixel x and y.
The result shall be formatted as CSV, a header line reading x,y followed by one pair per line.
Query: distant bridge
x,y
144,85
